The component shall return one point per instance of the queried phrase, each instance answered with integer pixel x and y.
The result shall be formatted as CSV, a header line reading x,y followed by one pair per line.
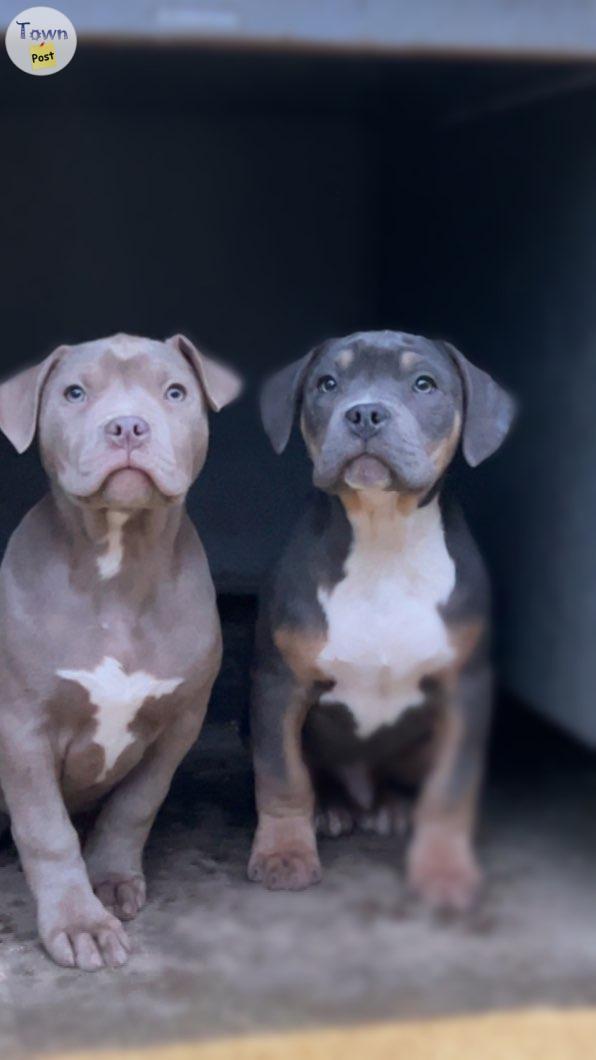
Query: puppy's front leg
x,y
284,854
75,928
442,867
114,849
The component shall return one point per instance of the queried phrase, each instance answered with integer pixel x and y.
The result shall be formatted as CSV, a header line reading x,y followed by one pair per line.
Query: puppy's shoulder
x,y
35,539
471,593
313,557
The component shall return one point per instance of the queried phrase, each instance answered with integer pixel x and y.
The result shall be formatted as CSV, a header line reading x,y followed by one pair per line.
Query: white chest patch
x,y
118,697
110,561
385,632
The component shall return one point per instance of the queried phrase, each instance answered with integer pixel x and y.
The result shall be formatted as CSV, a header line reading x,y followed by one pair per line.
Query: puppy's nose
x,y
127,432
366,420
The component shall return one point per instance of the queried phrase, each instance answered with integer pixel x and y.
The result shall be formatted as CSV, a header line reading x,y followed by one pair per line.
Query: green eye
x,y
75,393
424,384
326,384
176,392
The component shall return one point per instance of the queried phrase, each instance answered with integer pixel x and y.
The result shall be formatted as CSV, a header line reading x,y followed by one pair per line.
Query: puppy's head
x,y
385,410
122,421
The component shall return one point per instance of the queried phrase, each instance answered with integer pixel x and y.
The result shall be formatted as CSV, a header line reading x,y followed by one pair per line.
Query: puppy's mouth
x,y
367,472
131,481
127,465
128,487
407,470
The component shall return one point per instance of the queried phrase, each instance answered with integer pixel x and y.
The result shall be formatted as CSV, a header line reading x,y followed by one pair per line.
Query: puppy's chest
x,y
385,632
111,708
118,708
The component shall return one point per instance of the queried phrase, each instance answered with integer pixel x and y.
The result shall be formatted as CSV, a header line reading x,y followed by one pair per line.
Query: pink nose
x,y
127,432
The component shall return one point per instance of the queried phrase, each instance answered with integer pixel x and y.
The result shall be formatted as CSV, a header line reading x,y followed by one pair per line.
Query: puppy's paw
x,y
391,818
84,936
284,854
285,870
334,821
442,869
121,894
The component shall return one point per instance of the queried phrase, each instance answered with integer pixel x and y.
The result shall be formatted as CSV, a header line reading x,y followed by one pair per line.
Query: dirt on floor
x,y
216,955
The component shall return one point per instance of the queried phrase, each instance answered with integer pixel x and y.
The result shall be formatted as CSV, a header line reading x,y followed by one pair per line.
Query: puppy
x,y
372,668
109,633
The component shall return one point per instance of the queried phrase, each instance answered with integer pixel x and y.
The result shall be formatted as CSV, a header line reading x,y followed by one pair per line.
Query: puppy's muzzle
x,y
127,432
367,420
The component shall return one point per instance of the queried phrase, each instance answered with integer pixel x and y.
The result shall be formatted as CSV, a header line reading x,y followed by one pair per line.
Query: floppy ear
x,y
20,398
489,410
220,385
279,400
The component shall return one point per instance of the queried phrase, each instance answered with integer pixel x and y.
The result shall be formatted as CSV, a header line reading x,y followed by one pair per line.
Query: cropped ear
x,y
279,400
220,385
489,410
20,398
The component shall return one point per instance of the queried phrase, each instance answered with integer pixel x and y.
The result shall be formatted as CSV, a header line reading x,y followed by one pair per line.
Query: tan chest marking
x,y
110,561
118,697
385,632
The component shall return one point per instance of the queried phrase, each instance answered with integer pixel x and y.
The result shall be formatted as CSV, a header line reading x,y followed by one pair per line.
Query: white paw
x,y
84,935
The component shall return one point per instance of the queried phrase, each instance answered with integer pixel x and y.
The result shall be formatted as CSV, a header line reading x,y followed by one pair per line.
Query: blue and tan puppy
x,y
372,668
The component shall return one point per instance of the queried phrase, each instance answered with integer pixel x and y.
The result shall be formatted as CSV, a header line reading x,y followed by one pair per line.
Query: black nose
x,y
127,432
366,420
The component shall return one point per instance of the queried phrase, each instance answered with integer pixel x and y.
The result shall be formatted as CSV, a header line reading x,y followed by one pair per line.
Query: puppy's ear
x,y
20,398
279,400
220,385
489,410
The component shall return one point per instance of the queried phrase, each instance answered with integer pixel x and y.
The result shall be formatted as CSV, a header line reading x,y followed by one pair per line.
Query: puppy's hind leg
x,y
342,797
390,817
334,820
361,803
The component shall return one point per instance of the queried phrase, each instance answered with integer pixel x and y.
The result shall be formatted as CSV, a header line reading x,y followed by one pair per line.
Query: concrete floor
x,y
215,955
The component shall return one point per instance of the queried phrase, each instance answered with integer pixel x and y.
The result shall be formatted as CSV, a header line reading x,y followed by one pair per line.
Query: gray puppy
x,y
372,668
109,633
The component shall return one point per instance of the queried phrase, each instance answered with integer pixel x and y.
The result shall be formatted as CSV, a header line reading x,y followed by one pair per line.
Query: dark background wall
x,y
263,202
151,193
522,270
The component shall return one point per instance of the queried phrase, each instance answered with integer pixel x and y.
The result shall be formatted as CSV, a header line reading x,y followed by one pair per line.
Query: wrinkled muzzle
x,y
84,463
372,445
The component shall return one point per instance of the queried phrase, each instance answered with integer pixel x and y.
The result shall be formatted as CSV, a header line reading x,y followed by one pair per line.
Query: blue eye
x,y
176,392
75,393
326,384
424,384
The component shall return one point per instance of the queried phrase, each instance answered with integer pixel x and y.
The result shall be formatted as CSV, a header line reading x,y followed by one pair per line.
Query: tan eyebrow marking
x,y
345,358
409,358
125,346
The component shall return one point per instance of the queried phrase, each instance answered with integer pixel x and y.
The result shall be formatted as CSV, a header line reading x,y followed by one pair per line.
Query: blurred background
x,y
262,175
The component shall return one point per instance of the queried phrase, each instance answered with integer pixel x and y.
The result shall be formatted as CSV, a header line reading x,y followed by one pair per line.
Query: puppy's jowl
x,y
372,669
109,634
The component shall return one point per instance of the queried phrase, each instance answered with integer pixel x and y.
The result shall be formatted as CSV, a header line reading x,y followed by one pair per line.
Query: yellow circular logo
x,y
41,41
